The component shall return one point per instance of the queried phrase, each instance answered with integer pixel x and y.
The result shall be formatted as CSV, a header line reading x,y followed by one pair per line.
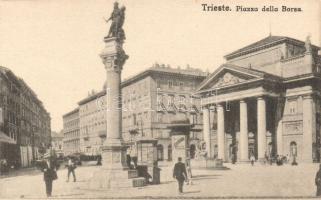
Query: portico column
x,y
244,143
261,127
308,128
206,129
220,132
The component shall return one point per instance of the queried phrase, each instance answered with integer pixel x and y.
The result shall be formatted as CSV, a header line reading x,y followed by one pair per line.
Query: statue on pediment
x,y
307,44
228,79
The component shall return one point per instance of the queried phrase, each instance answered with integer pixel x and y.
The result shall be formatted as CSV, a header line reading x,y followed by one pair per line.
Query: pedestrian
x,y
133,155
252,159
99,160
189,172
128,159
5,166
180,174
318,181
49,168
266,157
287,158
71,168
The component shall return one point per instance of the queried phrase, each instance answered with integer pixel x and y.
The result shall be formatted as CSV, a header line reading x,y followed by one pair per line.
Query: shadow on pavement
x,y
191,192
203,177
167,182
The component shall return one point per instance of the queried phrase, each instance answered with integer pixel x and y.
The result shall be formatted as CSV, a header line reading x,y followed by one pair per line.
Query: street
x,y
241,180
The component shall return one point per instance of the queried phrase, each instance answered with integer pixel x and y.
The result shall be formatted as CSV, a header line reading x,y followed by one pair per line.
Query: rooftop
x,y
265,42
71,112
167,69
92,97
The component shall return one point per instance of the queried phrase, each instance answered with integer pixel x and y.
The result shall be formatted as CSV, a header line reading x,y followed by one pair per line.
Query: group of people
x,y
278,160
49,167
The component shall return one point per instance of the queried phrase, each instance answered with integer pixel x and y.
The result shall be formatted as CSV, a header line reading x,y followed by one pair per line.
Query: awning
x,y
6,139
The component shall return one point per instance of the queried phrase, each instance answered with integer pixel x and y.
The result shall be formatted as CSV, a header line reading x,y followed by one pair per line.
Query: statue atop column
x,y
116,28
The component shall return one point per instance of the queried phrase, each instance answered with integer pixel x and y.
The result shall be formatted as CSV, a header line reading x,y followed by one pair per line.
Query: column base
x,y
114,156
108,179
114,173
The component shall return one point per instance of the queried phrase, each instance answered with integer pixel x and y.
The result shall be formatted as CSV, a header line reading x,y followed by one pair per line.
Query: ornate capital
x,y
113,55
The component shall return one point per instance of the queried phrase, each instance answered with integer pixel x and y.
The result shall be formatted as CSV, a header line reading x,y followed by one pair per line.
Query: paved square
x,y
241,180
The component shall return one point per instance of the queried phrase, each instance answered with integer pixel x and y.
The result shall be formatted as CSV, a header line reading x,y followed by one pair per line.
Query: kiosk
x,y
147,160
180,132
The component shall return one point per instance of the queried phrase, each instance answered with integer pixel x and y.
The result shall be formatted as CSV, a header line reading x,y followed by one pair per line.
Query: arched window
x,y
293,149
169,152
160,152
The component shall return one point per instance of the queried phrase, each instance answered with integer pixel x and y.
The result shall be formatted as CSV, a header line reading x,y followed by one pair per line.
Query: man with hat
x,y
180,174
49,168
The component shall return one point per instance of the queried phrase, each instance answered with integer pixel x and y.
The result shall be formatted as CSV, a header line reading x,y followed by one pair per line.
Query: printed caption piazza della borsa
x,y
241,8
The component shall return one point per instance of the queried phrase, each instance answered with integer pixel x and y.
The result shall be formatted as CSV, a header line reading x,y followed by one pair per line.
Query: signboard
x,y
293,128
179,143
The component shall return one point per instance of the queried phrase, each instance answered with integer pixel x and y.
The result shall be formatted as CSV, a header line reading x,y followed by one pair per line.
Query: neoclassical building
x,y
265,100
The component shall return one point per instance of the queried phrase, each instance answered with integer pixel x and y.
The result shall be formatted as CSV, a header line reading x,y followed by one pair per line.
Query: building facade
x,y
265,101
24,121
154,98
150,100
92,122
71,132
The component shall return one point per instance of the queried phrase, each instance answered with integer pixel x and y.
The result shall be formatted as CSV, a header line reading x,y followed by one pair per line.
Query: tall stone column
x,y
244,140
114,172
308,128
206,129
220,132
261,128
279,124
114,152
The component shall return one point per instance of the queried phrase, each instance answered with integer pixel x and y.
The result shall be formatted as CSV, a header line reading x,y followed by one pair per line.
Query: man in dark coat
x,y
180,174
49,168
318,181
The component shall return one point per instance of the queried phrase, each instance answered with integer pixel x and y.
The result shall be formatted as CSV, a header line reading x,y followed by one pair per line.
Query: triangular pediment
x,y
229,75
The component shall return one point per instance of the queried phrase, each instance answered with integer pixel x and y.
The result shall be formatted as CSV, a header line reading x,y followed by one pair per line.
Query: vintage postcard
x,y
147,99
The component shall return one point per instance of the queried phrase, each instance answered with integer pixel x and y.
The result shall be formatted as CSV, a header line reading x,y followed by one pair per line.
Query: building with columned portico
x,y
265,100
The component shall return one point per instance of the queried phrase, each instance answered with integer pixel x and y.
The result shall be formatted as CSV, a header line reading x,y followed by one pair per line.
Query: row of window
x,y
71,124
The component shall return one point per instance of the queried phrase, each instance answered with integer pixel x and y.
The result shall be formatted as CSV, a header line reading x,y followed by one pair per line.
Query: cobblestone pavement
x,y
241,180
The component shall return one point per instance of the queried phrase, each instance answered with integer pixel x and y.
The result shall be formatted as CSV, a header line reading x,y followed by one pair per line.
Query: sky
x,y
54,45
